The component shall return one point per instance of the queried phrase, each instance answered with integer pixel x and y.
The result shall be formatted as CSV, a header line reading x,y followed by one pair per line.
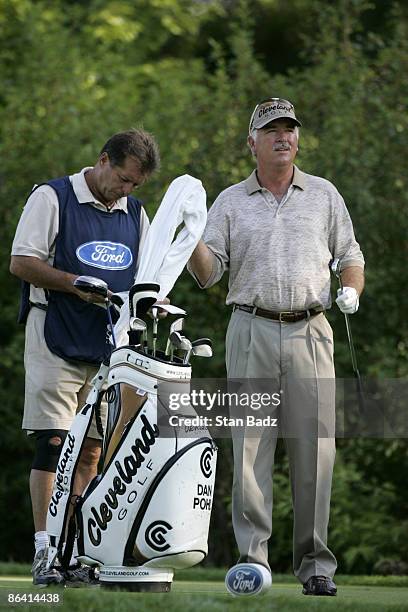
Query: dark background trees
x,y
191,71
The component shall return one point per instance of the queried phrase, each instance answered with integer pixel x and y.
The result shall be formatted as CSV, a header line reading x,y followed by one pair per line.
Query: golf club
x,y
140,328
155,315
200,348
176,326
91,284
335,268
179,342
141,297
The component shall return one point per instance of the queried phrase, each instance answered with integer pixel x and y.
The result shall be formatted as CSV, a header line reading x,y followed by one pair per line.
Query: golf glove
x,y
347,300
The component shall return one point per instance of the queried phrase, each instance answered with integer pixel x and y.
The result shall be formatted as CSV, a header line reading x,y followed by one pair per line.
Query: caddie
x,y
83,224
276,233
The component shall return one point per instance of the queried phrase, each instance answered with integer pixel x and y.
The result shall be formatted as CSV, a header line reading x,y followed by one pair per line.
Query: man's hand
x,y
161,313
347,300
89,297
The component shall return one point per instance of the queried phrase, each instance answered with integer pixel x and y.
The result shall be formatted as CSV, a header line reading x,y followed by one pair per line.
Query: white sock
x,y
40,540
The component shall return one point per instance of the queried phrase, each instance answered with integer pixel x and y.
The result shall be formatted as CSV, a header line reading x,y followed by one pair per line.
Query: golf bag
x,y
147,512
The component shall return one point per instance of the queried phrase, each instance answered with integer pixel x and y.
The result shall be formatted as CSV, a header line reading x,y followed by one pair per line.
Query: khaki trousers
x,y
55,389
299,356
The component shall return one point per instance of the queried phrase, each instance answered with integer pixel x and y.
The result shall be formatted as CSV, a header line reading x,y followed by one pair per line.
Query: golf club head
x,y
137,327
137,324
202,350
202,347
91,284
180,342
185,344
175,339
177,325
335,267
141,297
199,341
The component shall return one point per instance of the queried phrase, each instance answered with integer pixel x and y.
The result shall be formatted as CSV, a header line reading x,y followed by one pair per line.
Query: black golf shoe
x,y
43,575
319,585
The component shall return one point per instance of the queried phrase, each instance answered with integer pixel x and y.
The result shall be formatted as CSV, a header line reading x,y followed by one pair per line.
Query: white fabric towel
x,y
163,260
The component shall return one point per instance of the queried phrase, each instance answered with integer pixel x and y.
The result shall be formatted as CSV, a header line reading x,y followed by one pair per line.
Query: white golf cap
x,y
270,109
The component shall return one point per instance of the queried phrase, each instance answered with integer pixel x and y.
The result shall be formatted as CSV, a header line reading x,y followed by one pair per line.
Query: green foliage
x,y
191,72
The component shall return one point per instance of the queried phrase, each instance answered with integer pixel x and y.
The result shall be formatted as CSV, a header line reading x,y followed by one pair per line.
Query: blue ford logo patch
x,y
106,255
244,579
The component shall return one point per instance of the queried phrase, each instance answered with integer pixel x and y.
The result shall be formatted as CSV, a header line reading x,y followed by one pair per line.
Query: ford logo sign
x,y
105,255
247,579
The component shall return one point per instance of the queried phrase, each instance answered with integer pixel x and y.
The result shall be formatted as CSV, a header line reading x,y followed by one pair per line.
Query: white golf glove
x,y
347,300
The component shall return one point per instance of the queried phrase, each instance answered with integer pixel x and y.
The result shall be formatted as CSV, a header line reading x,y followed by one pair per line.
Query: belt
x,y
38,305
283,317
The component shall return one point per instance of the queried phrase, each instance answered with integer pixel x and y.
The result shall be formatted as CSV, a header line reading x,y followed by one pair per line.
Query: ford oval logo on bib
x,y
105,255
247,579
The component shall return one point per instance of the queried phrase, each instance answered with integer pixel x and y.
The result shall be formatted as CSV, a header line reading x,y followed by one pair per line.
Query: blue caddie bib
x,y
95,243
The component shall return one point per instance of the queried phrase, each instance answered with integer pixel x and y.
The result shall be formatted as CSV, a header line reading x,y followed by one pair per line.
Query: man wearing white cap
x,y
277,232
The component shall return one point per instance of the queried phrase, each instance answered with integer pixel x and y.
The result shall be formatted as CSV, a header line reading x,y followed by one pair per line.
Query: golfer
x,y
277,232
83,224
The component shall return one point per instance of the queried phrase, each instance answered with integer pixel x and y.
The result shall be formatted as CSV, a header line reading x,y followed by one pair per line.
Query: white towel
x,y
162,260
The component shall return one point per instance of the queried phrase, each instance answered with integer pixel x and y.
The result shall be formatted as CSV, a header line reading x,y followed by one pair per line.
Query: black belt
x,y
38,305
283,317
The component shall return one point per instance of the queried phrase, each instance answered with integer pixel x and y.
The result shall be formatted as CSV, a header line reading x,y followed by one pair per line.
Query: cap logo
x,y
272,108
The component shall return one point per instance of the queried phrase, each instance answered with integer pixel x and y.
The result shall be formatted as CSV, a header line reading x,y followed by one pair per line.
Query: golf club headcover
x,y
141,297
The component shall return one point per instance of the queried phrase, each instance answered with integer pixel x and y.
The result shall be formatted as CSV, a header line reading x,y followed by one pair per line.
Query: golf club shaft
x,y
155,322
349,336
352,350
110,322
351,345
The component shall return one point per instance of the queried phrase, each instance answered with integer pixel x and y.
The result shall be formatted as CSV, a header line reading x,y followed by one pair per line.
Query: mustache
x,y
281,147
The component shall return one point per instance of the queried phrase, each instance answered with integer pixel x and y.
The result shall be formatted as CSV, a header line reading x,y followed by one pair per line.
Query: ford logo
x,y
247,579
105,255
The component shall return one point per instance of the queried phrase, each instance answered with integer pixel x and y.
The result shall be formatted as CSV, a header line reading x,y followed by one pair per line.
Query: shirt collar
x,y
252,184
85,196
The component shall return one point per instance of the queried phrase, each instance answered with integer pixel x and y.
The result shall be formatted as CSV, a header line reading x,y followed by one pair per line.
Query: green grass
x,y
202,590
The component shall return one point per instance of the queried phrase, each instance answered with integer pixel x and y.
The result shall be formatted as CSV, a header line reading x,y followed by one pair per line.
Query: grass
x,y
202,590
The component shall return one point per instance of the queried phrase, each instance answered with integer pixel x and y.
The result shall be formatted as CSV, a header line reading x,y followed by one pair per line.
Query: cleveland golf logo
x,y
126,470
62,475
105,255
275,108
155,535
247,579
206,461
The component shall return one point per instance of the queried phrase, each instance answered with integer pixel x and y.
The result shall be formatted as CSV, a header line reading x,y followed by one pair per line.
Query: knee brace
x,y
48,447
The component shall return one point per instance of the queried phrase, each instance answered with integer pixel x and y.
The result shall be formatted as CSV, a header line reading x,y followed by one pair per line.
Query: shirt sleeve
x,y
342,242
144,228
37,228
217,237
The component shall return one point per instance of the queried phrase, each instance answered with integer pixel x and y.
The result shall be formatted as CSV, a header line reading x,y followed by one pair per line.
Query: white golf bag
x,y
147,513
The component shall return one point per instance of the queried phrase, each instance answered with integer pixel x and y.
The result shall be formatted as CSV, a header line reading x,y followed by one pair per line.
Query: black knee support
x,y
46,452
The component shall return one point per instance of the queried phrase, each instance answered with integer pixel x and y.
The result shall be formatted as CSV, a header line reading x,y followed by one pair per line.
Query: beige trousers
x,y
55,389
298,357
